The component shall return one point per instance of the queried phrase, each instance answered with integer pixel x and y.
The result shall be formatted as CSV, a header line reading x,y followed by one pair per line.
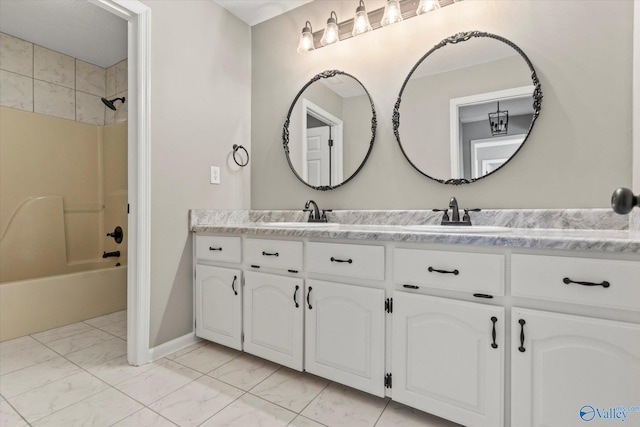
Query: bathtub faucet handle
x,y
117,234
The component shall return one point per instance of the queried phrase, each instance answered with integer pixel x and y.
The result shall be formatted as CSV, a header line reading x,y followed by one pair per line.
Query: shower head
x,y
109,103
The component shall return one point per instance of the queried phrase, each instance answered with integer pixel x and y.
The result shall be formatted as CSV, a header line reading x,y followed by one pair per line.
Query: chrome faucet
x,y
455,214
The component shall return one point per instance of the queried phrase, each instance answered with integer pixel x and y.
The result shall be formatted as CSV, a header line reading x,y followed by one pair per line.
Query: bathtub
x,y
35,305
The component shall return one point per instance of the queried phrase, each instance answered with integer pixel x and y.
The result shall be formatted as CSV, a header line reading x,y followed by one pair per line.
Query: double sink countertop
x,y
598,230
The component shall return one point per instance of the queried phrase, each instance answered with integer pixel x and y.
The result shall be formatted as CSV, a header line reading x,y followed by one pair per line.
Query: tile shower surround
x,y
77,375
40,80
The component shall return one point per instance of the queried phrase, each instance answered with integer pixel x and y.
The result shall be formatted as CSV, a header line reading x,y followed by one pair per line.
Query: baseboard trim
x,y
172,346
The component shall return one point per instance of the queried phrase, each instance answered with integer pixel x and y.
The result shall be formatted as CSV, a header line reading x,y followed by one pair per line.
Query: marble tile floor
x,y
77,375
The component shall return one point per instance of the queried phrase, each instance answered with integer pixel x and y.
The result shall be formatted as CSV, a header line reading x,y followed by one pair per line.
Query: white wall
x,y
200,107
578,153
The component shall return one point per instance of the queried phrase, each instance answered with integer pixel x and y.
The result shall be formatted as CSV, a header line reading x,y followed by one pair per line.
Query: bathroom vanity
x,y
516,327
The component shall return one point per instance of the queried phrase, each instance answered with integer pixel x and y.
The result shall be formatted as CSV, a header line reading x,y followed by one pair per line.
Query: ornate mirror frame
x,y
459,38
285,131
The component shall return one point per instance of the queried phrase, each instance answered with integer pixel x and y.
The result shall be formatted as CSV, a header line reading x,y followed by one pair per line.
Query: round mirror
x,y
467,107
329,131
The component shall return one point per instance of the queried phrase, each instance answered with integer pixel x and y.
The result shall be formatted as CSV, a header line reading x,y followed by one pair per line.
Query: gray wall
x,y
200,107
582,51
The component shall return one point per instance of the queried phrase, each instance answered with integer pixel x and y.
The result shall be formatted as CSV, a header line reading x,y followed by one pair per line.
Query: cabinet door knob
x,y
522,323
308,295
233,285
494,319
295,293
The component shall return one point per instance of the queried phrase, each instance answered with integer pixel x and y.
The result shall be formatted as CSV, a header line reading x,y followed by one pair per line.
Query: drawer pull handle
x,y
433,270
494,319
308,295
215,249
522,323
411,286
270,254
341,260
233,285
487,296
604,284
295,293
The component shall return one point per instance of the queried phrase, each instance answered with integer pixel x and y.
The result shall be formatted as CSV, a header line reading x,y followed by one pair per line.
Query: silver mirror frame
x,y
459,38
285,131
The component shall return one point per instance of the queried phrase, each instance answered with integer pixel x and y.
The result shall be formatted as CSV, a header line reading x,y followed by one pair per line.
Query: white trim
x,y
172,346
139,174
319,113
457,164
635,108
498,141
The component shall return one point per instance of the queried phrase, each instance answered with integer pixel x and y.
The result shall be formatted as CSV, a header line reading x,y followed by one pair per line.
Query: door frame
x,y
457,164
336,124
138,17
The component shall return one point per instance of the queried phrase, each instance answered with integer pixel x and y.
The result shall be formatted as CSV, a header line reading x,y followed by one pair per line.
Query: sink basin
x,y
463,229
298,224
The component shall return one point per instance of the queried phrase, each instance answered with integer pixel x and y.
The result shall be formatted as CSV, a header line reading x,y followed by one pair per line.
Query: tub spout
x,y
115,254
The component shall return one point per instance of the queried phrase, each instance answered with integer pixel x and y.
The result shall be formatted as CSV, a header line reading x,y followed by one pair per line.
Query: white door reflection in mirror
x,y
322,146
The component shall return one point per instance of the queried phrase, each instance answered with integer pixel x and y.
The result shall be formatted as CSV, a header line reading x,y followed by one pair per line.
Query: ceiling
x,y
256,11
74,27
85,31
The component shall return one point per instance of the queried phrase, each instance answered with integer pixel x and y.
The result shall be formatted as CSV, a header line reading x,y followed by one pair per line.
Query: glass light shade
x,y
331,34
361,22
306,40
392,13
427,6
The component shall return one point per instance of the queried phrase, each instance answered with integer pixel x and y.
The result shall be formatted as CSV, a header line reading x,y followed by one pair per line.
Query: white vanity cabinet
x,y
570,369
567,370
218,296
218,289
448,355
344,334
273,318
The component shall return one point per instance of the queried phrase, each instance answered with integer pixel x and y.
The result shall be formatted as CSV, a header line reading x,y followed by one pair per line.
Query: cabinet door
x,y
344,338
218,303
446,360
273,318
568,370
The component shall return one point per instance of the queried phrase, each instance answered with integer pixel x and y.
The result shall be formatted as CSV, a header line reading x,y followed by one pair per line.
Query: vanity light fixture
x,y
499,121
392,13
361,22
306,39
427,6
331,34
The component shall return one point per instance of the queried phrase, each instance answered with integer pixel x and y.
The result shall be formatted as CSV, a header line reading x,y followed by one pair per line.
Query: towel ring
x,y
237,147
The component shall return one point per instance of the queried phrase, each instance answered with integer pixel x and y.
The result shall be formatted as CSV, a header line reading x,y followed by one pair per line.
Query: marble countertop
x,y
599,240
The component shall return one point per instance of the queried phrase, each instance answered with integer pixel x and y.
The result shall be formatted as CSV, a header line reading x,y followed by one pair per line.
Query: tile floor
x,y
77,375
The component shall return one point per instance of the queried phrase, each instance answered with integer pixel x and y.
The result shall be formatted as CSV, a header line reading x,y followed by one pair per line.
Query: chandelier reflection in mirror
x,y
394,11
499,122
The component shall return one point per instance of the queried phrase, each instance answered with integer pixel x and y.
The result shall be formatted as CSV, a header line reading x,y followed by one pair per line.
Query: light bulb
x,y
330,35
427,6
306,39
361,22
392,13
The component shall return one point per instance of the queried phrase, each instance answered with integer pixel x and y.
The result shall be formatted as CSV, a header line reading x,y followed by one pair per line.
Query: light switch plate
x,y
215,175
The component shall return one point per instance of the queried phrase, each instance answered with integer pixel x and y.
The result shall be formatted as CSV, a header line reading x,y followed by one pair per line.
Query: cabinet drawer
x,y
546,277
218,248
360,261
280,254
459,271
